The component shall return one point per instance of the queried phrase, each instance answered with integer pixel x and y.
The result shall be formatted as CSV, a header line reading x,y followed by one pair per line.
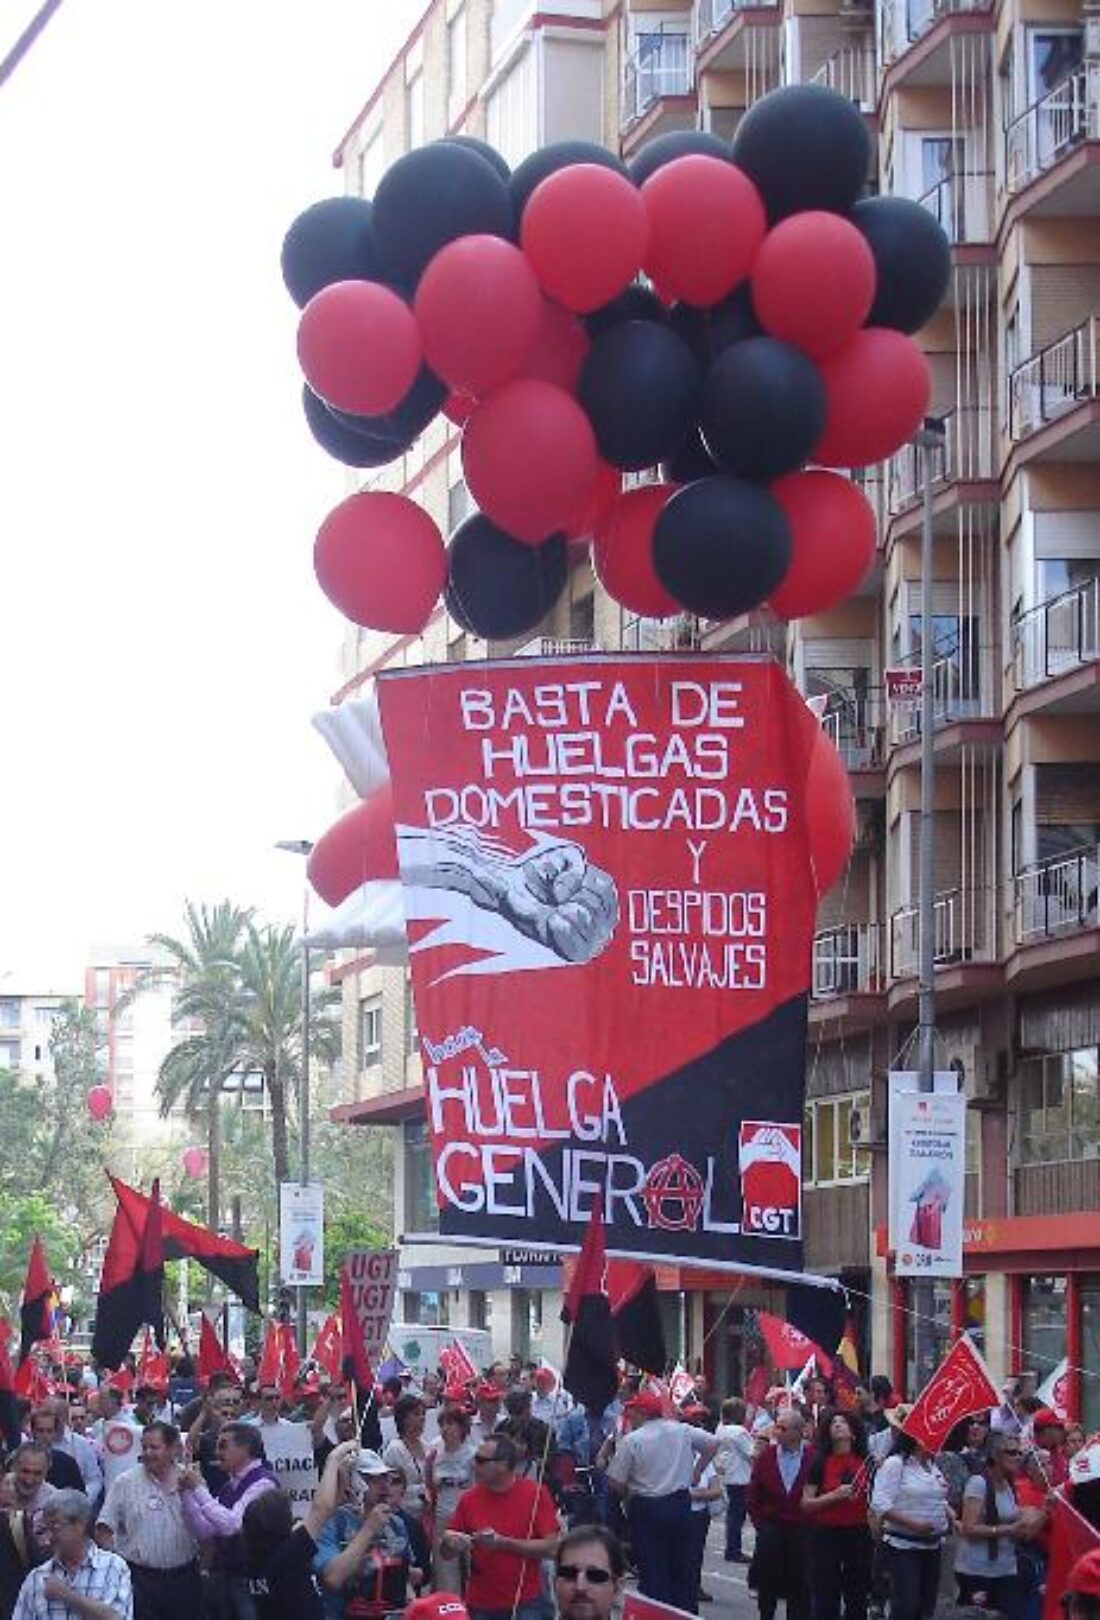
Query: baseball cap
x,y
545,1378
487,1392
370,1464
1084,1577
645,1404
437,1606
1046,1419
693,1410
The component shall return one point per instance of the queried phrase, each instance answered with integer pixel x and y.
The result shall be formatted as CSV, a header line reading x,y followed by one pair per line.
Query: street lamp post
x,y
302,846
928,440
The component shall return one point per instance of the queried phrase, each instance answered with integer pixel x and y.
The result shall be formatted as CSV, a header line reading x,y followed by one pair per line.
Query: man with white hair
x,y
80,1578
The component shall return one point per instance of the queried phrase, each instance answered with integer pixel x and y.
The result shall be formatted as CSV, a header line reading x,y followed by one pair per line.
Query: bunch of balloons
x,y
739,317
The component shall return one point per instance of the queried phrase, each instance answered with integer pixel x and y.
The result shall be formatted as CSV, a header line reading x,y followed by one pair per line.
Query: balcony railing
x,y
966,456
854,721
556,647
900,26
852,72
660,65
962,931
1053,381
957,694
960,205
681,634
1056,896
1057,636
848,961
711,15
1051,127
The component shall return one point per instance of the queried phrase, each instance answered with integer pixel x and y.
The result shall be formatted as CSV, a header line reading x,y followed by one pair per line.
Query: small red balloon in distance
x,y
832,528
877,390
584,230
558,353
359,347
380,559
706,224
478,307
831,814
99,1102
358,848
194,1162
529,455
622,553
814,282
590,515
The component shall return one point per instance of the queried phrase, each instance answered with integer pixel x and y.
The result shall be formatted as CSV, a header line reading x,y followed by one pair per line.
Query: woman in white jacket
x,y
909,1501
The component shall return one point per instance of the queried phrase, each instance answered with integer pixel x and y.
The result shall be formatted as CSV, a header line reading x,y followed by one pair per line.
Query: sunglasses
x,y
592,1574
480,1457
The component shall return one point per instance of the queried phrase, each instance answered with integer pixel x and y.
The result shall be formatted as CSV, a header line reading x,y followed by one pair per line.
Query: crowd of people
x,y
501,1499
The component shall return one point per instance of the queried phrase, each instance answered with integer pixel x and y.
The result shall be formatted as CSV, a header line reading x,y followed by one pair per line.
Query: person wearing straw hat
x,y
909,1503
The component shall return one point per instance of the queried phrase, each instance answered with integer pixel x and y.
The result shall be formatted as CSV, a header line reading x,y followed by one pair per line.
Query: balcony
x,y
1056,897
966,458
854,721
1047,134
958,694
659,68
849,961
722,30
852,72
681,634
960,204
556,647
1057,638
962,931
925,28
1052,385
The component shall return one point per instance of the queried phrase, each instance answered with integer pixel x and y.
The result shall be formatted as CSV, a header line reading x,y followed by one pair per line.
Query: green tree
x,y
344,1231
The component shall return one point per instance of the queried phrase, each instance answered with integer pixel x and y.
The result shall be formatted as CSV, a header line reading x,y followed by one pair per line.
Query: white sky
x,y
162,639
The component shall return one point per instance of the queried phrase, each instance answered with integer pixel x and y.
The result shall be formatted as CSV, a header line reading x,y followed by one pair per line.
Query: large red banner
x,y
610,907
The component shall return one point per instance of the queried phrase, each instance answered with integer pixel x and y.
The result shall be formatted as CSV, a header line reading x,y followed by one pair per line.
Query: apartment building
x,y
26,1025
135,1031
988,116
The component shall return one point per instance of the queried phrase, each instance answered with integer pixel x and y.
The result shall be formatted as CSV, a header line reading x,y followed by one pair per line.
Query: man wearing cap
x,y
655,1467
507,1525
1050,1435
487,1399
364,1556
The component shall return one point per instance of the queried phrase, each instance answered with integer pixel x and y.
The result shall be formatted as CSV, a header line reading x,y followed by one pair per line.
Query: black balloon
x,y
692,460
332,241
762,409
640,387
634,303
498,588
721,547
711,330
430,197
549,159
912,261
354,446
677,143
483,149
409,417
804,147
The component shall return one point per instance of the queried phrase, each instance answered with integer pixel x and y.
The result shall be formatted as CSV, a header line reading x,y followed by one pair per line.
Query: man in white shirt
x,y
118,1435
268,1415
79,1448
142,1520
80,1579
654,1467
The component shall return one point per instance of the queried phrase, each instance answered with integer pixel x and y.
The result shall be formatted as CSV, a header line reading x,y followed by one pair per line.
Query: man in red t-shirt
x,y
508,1526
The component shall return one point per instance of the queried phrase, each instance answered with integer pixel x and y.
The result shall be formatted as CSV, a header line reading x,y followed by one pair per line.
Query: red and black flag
x,y
235,1265
212,1358
10,1428
635,1308
131,1287
590,1373
356,1364
36,1311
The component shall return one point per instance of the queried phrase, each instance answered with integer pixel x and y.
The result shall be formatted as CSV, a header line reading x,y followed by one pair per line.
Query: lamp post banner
x,y
609,900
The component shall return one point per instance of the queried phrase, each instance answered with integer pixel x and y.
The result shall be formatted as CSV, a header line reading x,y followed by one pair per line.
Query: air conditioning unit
x,y
866,1129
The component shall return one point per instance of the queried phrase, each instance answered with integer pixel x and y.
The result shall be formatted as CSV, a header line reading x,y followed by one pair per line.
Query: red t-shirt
x,y
837,1469
526,1511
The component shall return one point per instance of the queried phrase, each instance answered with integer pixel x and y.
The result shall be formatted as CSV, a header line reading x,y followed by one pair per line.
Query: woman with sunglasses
x,y
909,1504
991,1525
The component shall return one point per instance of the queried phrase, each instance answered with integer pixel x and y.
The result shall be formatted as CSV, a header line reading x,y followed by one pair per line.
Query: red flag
x,y
1071,1536
326,1350
788,1349
131,1285
637,1607
756,1386
153,1366
31,1383
9,1408
123,1381
36,1311
279,1360
237,1266
355,1362
960,1386
212,1358
455,1364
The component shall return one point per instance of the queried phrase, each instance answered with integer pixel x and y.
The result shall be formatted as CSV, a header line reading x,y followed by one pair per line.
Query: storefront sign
x,y
609,896
927,1178
301,1234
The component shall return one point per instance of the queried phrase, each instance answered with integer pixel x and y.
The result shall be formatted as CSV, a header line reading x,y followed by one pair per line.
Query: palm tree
x,y
204,966
270,1011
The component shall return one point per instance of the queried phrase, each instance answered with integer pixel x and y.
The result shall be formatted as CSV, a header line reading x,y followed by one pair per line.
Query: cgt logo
x,y
770,1164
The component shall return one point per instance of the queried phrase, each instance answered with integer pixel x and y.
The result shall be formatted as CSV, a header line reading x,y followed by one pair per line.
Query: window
x,y
414,109
411,1041
456,64
1044,1321
1056,576
9,1014
927,1328
1058,1105
9,1054
479,1308
582,618
370,1032
459,503
833,1129
371,164
421,1209
44,1016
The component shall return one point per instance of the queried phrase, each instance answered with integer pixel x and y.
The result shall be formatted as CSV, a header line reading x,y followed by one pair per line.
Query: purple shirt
x,y
208,1520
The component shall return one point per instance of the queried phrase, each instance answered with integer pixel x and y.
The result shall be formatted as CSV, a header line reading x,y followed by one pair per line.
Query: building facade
x,y
988,116
26,1025
136,1033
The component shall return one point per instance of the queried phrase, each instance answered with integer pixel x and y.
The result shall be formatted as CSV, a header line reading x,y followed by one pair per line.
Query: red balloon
x,y
584,230
100,1102
814,282
877,391
832,526
457,407
357,849
588,518
194,1163
478,307
831,813
558,352
706,224
622,553
380,559
529,455
359,347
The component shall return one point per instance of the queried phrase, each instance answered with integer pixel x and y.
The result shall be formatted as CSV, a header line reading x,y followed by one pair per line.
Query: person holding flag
x,y
909,1501
835,1499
